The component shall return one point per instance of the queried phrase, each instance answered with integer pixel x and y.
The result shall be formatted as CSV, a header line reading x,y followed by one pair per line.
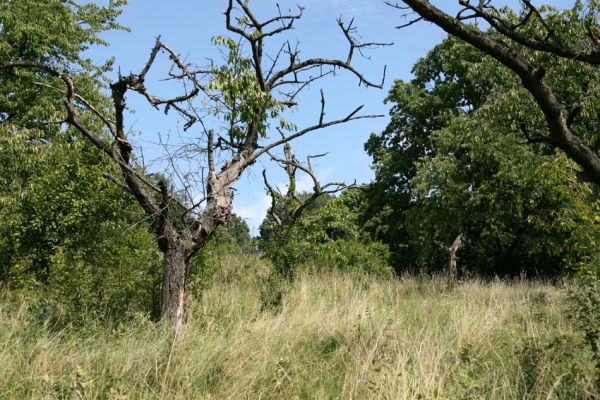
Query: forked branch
x,y
549,42
255,31
451,251
286,209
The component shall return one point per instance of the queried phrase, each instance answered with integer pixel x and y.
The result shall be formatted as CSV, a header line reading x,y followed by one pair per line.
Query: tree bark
x,y
174,293
452,268
179,244
452,258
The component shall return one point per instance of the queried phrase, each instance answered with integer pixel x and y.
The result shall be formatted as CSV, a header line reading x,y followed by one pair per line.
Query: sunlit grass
x,y
335,336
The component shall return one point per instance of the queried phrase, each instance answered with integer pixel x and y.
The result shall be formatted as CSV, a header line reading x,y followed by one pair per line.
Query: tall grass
x,y
327,337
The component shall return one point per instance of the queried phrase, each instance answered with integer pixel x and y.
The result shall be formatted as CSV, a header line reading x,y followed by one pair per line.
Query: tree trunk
x,y
452,269
174,281
452,258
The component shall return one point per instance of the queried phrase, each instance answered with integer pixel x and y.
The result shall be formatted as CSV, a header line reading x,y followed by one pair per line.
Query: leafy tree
x,y
451,161
293,238
239,231
56,32
485,183
233,237
548,50
68,236
445,82
526,42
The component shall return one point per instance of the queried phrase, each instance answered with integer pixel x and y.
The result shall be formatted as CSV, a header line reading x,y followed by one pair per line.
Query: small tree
x,y
286,209
247,94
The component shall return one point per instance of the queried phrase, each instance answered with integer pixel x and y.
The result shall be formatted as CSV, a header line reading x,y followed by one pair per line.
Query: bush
x,y
585,311
326,237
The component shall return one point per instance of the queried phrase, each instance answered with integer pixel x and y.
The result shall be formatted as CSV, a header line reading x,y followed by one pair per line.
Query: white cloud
x,y
304,184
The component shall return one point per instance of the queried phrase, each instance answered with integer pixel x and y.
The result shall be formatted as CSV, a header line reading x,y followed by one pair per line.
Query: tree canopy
x,y
463,154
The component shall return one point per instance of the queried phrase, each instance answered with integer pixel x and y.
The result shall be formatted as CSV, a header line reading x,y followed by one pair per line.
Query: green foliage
x,y
448,80
56,32
230,240
243,99
487,184
236,233
69,238
325,237
454,159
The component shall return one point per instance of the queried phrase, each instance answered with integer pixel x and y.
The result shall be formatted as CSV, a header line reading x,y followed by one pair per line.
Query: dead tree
x,y
452,258
287,208
217,156
510,48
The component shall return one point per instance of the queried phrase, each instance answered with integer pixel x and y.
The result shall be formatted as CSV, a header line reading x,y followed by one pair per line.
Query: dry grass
x,y
331,337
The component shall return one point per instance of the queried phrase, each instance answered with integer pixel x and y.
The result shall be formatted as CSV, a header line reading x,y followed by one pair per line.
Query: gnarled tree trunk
x,y
452,258
174,293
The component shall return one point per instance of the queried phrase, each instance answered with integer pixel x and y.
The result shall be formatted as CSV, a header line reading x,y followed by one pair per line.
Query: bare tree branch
x,y
349,31
320,125
549,44
239,139
109,124
285,210
69,99
532,77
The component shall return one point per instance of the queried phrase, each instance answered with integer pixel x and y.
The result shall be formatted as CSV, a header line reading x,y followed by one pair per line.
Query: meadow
x,y
323,336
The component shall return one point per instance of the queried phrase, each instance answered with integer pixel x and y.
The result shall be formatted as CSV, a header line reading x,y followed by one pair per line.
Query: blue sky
x,y
187,26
